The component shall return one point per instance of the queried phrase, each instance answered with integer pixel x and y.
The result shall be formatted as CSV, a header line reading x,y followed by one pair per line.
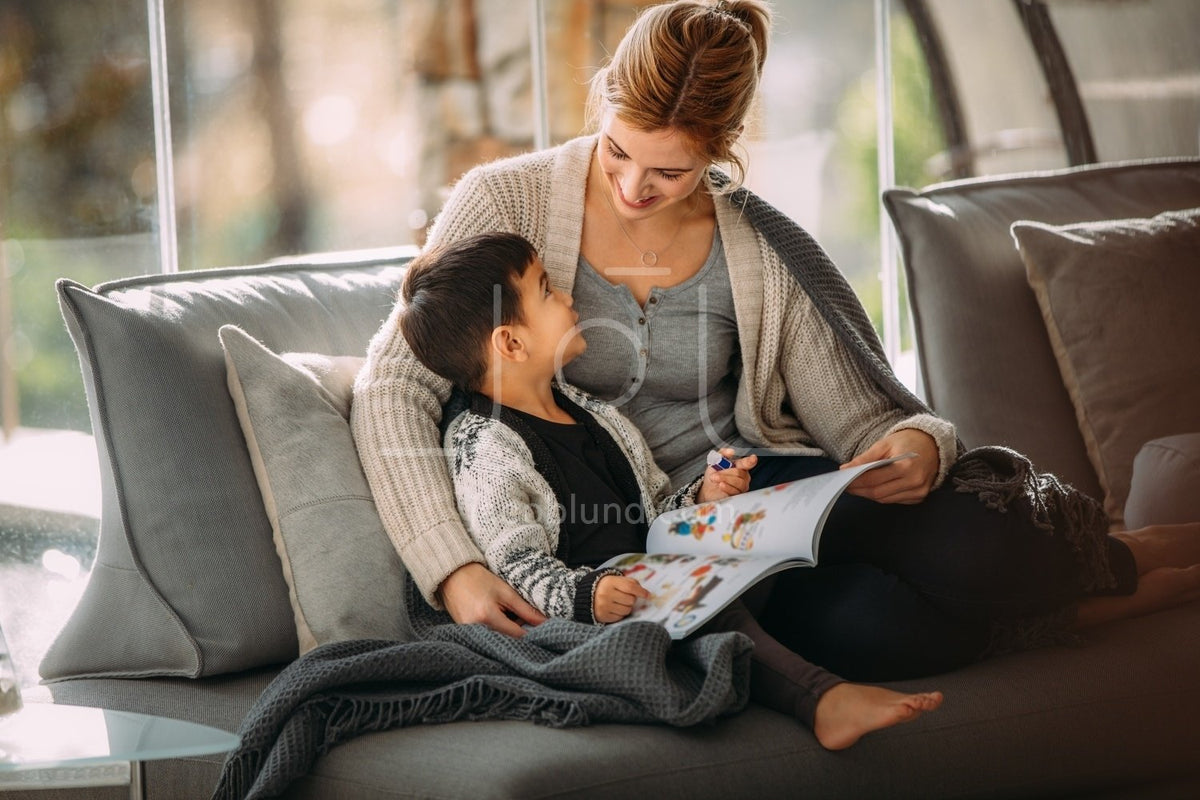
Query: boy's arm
x,y
550,585
512,515
685,495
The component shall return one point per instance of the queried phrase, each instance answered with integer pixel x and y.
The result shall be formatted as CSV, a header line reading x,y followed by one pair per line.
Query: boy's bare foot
x,y
849,711
1157,546
1157,589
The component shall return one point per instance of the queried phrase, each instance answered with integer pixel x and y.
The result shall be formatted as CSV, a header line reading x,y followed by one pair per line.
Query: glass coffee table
x,y
50,746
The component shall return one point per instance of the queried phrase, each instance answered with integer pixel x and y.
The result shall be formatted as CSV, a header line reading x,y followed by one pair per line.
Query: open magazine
x,y
700,558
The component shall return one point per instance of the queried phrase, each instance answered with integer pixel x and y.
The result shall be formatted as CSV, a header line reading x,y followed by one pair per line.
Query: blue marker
x,y
718,461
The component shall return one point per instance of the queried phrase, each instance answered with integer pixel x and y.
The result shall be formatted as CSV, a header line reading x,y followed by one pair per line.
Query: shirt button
x,y
641,320
653,300
643,352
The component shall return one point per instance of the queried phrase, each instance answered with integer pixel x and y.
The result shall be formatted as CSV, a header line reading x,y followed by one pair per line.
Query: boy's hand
x,y
719,483
615,596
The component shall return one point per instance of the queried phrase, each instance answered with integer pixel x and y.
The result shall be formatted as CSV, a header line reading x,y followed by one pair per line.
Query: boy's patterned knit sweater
x,y
513,513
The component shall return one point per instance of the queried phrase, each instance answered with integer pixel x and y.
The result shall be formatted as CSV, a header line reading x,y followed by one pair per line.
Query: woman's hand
x,y
474,594
907,481
719,483
615,596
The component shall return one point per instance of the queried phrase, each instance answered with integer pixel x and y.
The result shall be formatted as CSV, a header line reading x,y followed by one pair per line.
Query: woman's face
x,y
646,173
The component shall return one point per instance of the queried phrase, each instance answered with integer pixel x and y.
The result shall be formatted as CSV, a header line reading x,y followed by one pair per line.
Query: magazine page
x,y
687,590
782,521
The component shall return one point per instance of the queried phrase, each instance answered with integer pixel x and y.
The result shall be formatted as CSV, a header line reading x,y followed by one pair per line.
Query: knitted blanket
x,y
561,674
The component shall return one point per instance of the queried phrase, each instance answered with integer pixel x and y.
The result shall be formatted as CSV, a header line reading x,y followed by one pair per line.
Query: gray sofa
x,y
187,613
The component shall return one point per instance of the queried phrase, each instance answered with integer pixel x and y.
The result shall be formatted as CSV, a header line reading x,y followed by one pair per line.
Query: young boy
x,y
550,481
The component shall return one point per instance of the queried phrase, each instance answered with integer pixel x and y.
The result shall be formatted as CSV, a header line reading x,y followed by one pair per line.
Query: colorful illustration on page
x,y
702,520
649,570
641,572
742,535
632,558
703,582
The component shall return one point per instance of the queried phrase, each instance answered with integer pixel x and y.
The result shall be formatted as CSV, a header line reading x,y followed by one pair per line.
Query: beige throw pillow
x,y
1121,303
344,578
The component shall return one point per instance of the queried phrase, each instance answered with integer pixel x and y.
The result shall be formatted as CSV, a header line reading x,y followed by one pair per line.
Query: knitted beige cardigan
x,y
800,391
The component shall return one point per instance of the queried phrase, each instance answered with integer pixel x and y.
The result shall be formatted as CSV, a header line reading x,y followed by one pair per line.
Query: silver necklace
x,y
649,257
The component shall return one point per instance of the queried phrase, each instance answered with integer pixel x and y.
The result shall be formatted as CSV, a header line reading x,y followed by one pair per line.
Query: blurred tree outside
x,y
76,182
307,125
918,139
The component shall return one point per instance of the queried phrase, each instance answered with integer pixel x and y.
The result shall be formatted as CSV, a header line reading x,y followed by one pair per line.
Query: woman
x,y
712,320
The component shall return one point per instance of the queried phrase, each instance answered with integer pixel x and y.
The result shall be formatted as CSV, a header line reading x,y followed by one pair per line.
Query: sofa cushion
x,y
344,577
1112,718
186,580
986,360
1162,490
1119,299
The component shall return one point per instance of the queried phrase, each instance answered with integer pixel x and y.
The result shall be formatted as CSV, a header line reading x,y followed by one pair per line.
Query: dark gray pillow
x,y
985,356
186,579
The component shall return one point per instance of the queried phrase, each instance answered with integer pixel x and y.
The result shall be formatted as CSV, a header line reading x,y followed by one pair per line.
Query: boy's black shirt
x,y
592,480
596,520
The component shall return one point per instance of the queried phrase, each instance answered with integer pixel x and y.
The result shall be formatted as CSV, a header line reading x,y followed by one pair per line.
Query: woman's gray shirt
x,y
671,366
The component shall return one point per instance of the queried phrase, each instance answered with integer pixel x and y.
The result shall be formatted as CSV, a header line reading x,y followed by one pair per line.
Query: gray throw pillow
x,y
186,580
345,580
1119,302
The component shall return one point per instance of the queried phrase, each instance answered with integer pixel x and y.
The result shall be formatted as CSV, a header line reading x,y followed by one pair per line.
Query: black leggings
x,y
779,678
905,591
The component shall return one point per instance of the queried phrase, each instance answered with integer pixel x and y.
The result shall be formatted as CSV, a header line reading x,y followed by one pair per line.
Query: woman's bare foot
x,y
1157,546
1157,589
849,711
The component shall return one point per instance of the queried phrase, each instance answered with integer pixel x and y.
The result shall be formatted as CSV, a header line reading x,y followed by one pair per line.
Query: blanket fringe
x,y
343,717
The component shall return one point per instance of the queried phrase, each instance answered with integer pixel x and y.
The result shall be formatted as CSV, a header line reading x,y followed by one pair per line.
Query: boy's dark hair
x,y
450,302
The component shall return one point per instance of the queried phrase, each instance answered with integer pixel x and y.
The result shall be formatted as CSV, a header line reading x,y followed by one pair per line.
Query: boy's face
x,y
548,320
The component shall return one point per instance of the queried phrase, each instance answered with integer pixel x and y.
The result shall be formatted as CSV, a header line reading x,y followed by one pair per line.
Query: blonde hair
x,y
692,67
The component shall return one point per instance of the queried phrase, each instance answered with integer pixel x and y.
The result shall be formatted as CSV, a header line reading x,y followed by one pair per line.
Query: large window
x,y
143,135
77,200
